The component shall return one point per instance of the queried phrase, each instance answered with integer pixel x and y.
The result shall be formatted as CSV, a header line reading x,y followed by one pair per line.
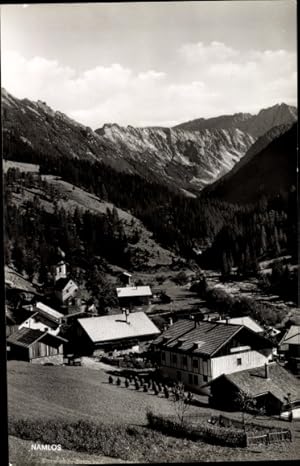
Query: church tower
x,y
59,267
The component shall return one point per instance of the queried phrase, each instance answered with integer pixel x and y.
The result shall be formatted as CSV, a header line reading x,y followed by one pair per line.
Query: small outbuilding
x,y
33,345
130,296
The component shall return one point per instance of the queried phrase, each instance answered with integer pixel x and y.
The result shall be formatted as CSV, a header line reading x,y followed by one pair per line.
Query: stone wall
x,y
56,359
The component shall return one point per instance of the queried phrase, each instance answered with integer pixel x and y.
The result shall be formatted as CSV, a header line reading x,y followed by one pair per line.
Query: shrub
x,y
110,379
118,381
164,298
215,435
181,278
83,436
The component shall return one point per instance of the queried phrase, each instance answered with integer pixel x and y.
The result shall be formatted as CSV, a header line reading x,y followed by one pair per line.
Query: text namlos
x,y
46,447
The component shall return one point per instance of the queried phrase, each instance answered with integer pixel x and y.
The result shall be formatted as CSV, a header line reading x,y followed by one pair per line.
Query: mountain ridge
x,y
269,167
183,159
256,125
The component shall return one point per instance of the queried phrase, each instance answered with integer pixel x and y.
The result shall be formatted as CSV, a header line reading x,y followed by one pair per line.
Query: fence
x,y
269,434
270,437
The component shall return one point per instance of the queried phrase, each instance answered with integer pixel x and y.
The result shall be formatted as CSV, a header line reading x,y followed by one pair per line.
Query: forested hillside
x,y
230,234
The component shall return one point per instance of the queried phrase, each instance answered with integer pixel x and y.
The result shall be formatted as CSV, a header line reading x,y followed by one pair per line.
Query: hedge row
x,y
215,435
82,436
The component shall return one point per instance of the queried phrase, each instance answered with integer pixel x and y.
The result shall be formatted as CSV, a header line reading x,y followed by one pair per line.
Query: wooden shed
x,y
33,345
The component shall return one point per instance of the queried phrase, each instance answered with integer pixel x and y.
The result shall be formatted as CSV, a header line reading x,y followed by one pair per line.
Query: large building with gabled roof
x,y
116,331
196,352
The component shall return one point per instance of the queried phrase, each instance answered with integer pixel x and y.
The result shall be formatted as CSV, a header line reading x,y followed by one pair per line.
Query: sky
x,y
148,63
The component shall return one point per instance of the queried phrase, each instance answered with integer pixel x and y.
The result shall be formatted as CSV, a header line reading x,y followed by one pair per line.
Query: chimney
x,y
267,370
226,320
126,312
170,321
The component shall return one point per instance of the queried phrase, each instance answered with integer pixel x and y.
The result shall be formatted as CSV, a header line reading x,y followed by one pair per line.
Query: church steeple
x,y
59,267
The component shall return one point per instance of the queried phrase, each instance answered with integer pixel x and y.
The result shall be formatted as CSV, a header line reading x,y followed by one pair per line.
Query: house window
x,y
190,379
239,361
184,360
179,376
195,379
174,359
163,356
205,379
195,363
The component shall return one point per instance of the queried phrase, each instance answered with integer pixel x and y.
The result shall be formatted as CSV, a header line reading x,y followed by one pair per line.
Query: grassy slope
x,y
20,454
76,393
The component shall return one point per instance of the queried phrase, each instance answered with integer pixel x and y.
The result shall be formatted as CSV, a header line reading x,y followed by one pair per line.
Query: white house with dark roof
x,y
116,331
40,322
196,352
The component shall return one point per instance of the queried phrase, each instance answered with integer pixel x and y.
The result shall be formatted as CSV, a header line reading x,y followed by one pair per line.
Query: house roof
x,y
115,327
62,283
25,337
134,291
246,321
48,311
292,336
253,381
205,338
44,320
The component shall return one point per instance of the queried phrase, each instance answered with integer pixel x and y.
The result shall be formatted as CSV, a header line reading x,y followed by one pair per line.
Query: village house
x,y
119,331
197,352
47,311
289,346
131,296
36,346
44,322
269,385
244,320
65,289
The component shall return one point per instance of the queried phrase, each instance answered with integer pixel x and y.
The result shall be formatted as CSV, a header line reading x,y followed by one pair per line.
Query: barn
x,y
118,331
33,345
